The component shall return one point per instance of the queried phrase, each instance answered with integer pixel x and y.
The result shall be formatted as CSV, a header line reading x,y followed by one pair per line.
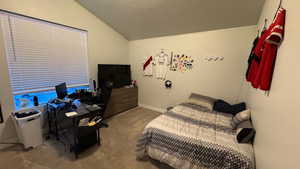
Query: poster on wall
x,y
181,62
163,62
148,67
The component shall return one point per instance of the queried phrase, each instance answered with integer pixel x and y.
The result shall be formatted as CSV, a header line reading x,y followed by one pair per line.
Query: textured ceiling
x,y
140,19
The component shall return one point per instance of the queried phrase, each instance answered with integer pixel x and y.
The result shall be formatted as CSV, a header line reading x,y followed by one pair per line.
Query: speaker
x,y
92,85
35,101
95,85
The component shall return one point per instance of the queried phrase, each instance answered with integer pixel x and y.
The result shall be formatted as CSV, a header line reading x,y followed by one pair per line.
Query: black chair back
x,y
106,90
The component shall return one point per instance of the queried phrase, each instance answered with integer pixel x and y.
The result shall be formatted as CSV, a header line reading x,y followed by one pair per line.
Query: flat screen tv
x,y
119,75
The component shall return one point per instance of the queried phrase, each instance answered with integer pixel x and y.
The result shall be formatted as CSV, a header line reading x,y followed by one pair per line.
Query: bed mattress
x,y
192,137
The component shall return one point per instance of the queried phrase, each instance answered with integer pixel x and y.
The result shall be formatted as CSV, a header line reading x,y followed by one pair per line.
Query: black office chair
x,y
106,90
103,101
87,135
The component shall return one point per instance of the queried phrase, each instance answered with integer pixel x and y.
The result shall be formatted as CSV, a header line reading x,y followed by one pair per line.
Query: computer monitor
x,y
61,90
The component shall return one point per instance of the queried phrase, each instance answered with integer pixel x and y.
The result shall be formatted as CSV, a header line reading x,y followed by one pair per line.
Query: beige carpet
x,y
116,152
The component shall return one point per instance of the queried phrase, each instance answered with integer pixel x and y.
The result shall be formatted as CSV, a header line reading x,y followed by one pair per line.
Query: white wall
x,y
222,79
105,45
6,98
277,117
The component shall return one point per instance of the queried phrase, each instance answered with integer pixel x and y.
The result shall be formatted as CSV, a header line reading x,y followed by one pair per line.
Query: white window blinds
x,y
41,55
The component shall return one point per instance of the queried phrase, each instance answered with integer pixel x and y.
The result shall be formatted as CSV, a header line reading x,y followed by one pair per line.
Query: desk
x,y
68,133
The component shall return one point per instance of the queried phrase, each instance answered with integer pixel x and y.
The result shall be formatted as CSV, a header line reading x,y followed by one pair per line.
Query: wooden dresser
x,y
122,99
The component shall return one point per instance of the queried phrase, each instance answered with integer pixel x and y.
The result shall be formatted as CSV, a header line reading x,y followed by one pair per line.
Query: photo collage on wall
x,y
181,62
163,62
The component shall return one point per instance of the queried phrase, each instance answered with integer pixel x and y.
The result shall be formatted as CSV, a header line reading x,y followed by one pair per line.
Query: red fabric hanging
x,y
257,52
261,70
266,70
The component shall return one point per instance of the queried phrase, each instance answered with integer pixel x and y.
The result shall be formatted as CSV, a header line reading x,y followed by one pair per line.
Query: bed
x,y
189,136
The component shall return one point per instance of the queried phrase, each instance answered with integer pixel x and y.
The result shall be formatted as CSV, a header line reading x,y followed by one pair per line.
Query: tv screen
x,y
119,75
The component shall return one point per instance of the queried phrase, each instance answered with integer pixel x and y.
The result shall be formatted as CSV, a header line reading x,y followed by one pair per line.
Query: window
x,y
26,100
41,55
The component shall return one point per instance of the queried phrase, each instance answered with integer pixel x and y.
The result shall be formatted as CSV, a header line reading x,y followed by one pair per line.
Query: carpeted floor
x,y
116,152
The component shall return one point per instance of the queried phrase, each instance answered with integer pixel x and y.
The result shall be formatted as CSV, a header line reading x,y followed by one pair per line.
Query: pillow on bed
x,y
245,124
236,108
201,100
245,132
240,117
222,106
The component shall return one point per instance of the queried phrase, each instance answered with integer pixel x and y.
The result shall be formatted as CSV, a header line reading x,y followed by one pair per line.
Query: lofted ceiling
x,y
140,19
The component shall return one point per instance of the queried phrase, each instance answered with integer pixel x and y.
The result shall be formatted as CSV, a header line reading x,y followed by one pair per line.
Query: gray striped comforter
x,y
190,137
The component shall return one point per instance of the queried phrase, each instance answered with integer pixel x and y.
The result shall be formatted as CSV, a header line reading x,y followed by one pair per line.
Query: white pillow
x,y
240,117
201,100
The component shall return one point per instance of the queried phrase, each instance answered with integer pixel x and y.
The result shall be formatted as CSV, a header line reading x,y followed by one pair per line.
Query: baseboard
x,y
153,108
8,142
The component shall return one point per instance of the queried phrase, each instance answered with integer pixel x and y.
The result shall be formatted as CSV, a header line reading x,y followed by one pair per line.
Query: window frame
x,y
36,93
10,50
12,94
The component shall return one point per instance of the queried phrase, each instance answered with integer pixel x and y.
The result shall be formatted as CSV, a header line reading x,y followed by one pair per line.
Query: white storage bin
x,y
28,127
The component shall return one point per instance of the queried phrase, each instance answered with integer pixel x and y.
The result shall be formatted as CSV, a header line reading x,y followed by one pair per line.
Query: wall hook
x,y
214,58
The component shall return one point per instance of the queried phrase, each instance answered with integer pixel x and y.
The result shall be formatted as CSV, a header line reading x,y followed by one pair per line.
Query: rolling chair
x,y
106,90
87,134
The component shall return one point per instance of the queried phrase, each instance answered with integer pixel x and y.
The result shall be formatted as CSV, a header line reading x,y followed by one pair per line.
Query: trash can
x,y
29,127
